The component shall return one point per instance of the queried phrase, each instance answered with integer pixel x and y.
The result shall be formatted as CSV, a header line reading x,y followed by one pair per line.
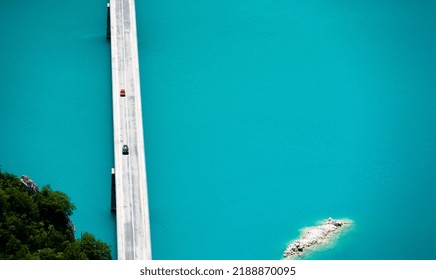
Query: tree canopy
x,y
37,225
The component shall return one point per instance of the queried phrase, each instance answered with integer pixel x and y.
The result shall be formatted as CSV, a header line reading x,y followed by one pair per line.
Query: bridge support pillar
x,y
113,193
108,25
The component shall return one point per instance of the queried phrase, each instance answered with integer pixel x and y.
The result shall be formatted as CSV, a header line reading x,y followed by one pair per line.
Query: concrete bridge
x,y
132,214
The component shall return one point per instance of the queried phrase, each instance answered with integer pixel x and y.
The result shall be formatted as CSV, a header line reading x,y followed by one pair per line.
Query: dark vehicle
x,y
125,150
122,92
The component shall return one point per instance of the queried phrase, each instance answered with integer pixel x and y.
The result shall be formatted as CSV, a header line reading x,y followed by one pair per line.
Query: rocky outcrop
x,y
313,237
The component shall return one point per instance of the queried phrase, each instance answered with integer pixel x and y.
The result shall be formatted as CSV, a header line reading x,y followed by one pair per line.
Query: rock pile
x,y
313,236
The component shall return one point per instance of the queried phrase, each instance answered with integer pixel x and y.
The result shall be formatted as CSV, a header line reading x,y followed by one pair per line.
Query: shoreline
x,y
316,237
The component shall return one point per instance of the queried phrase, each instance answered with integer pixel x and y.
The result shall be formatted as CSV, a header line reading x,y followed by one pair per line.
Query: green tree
x,y
90,247
36,225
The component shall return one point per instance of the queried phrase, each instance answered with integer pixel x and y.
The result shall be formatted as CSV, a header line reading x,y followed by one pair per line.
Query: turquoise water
x,y
260,118
55,105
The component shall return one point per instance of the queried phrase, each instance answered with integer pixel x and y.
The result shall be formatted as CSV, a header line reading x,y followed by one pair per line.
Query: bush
x,y
36,225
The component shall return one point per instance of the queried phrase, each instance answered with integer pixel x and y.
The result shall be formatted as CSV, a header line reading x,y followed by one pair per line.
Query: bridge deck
x,y
133,227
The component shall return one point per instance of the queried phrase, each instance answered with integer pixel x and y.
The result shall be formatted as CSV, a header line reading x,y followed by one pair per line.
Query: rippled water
x,y
55,105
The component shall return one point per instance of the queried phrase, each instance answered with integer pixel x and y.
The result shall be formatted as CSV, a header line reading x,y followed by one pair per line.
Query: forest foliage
x,y
37,225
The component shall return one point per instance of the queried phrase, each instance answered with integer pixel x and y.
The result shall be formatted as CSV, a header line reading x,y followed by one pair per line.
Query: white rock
x,y
313,236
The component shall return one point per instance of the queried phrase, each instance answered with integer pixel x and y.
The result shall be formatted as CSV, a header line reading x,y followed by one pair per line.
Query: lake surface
x,y
56,106
260,118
